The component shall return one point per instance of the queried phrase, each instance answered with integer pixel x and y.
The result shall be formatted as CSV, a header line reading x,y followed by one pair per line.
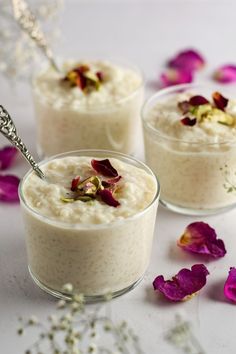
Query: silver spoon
x,y
8,129
30,25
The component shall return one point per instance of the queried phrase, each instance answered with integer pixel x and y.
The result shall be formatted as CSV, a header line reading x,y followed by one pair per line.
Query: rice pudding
x,y
88,227
190,143
92,105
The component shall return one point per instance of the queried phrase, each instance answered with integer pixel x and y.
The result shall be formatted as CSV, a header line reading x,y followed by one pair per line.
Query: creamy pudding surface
x,y
91,105
87,229
190,143
135,191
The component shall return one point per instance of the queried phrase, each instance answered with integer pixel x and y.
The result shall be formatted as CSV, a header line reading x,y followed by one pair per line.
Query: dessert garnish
x,y
183,285
84,78
230,285
200,238
198,109
189,121
104,168
219,100
96,187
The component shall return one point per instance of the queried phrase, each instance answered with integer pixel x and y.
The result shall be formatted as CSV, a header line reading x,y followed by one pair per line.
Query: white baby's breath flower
x,y
33,320
67,288
61,304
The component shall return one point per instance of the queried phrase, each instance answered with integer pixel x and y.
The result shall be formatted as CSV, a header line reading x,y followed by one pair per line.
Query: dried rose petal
x,y
189,60
7,156
104,168
198,100
100,76
107,197
230,285
225,74
200,238
184,106
9,188
111,182
183,285
75,183
219,100
174,76
189,121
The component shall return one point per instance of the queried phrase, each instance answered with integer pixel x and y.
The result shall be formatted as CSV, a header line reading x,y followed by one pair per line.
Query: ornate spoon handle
x,y
8,129
30,25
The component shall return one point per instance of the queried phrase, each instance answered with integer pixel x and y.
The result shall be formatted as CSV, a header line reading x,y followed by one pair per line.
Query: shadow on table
x,y
158,299
216,291
16,283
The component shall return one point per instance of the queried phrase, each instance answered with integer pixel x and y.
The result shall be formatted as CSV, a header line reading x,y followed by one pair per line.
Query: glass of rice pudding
x,y
90,223
190,143
90,105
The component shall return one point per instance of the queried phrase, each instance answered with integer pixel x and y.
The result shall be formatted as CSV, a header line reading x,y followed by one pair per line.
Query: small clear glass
x,y
98,259
193,175
63,127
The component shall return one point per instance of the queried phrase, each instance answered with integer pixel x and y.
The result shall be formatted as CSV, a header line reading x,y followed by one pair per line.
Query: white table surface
x,y
145,33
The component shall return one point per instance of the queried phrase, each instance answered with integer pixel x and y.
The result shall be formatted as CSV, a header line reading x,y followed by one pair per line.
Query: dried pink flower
x,y
225,74
9,188
175,76
188,60
230,285
183,285
7,157
200,238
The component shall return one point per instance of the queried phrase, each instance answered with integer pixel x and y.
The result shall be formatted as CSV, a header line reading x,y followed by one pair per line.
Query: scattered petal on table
x,y
189,60
175,76
200,238
183,285
9,188
7,156
230,285
225,74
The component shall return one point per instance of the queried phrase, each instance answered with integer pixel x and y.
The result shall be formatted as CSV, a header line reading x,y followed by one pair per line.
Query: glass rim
x,y
104,106
169,90
80,226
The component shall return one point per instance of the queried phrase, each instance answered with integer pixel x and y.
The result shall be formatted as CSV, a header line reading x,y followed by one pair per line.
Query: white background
x,y
145,33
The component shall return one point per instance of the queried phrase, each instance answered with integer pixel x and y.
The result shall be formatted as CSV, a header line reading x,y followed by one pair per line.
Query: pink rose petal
x,y
220,101
225,74
9,188
7,157
189,60
198,100
230,285
188,121
75,183
104,168
200,238
107,197
184,284
175,76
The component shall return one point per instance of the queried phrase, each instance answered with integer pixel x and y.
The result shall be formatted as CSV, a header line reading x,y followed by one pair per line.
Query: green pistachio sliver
x,y
67,200
84,198
93,80
200,111
94,183
219,116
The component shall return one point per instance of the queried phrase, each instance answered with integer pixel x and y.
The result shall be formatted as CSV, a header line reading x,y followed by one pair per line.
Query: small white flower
x,y
67,288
